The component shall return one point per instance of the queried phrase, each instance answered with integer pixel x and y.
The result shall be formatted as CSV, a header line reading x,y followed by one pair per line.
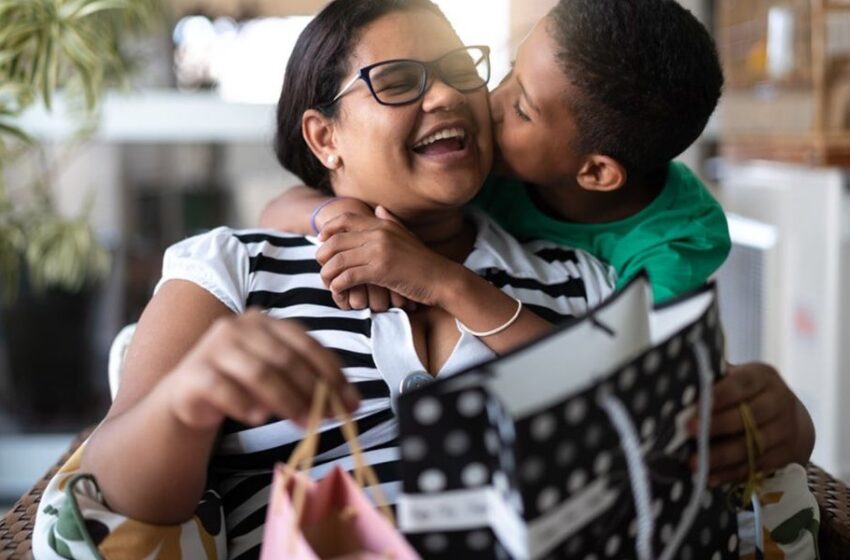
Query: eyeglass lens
x,y
403,82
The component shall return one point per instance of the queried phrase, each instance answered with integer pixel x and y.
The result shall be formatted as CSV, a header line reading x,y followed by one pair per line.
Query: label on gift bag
x,y
574,446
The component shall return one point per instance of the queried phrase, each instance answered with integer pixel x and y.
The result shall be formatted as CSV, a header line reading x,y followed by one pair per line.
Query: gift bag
x,y
331,518
574,446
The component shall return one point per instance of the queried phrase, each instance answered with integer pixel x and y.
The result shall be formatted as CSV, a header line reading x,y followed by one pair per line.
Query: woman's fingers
x,y
210,397
764,408
251,366
772,460
264,381
323,363
233,401
731,453
741,385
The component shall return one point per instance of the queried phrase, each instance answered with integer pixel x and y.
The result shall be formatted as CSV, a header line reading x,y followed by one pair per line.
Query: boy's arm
x,y
293,210
677,267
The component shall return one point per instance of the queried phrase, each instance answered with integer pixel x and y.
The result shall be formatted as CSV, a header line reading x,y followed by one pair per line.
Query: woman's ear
x,y
601,174
318,131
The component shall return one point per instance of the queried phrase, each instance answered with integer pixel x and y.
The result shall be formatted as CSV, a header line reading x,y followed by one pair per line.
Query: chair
x,y
16,527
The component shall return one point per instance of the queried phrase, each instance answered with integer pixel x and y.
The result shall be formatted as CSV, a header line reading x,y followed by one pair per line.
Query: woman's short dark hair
x,y
647,74
316,70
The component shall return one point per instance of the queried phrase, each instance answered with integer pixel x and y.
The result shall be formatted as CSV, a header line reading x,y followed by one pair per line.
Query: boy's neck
x,y
572,203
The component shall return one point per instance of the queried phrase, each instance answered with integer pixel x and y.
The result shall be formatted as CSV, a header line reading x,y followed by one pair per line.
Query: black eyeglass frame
x,y
428,68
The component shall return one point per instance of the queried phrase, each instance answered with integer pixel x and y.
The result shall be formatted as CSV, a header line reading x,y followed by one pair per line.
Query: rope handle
x,y
303,457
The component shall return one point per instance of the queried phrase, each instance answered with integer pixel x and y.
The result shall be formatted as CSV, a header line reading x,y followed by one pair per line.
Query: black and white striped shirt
x,y
279,274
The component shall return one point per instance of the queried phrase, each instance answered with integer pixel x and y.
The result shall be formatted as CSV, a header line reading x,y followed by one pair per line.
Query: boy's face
x,y
535,132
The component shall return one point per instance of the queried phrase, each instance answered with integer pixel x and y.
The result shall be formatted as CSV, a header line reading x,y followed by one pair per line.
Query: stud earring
x,y
333,161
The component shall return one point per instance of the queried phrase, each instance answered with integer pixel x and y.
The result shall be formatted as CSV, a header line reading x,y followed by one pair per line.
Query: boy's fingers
x,y
351,277
348,222
358,297
398,301
338,244
385,214
342,300
341,263
379,298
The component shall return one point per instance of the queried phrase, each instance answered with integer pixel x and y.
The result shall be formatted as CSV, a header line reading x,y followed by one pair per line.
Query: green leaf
x,y
10,130
101,6
50,71
789,530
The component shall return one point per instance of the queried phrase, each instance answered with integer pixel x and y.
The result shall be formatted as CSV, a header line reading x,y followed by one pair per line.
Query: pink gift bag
x,y
331,518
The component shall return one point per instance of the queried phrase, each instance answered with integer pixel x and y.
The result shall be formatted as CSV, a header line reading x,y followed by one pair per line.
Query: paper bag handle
x,y
303,456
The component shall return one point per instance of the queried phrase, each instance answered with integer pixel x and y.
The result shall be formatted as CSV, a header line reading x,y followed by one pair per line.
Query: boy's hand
x,y
249,367
784,426
334,208
370,296
378,250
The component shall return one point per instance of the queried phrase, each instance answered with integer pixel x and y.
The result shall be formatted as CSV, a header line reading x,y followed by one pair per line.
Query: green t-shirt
x,y
680,238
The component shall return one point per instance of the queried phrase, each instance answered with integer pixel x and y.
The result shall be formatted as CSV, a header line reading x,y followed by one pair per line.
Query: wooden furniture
x,y
832,495
787,65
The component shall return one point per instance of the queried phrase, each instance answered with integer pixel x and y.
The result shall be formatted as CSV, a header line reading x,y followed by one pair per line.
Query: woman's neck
x,y
448,234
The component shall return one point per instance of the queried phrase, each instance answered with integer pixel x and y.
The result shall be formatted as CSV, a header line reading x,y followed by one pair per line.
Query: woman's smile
x,y
446,143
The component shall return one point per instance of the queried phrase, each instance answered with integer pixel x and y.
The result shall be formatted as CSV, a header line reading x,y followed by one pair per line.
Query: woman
x,y
381,101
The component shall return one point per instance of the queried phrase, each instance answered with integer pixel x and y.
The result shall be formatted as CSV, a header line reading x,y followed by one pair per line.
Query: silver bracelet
x,y
497,330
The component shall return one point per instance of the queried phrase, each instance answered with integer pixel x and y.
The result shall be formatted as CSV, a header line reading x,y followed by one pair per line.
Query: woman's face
x,y
535,132
380,147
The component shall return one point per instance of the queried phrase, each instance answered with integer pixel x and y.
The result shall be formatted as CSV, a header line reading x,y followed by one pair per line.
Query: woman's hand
x,y
377,250
784,425
249,367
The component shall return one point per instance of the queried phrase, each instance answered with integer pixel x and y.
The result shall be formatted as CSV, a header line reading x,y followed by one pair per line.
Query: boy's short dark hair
x,y
647,73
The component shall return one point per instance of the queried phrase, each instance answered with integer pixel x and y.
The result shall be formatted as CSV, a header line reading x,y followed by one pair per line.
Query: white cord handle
x,y
638,472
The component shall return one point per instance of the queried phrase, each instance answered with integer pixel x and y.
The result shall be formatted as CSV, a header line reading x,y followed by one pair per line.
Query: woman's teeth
x,y
444,134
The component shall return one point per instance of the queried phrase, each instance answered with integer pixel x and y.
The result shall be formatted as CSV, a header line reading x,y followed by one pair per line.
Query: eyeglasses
x,y
403,81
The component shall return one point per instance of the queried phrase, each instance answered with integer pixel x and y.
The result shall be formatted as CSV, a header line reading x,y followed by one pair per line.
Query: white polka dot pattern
x,y
541,463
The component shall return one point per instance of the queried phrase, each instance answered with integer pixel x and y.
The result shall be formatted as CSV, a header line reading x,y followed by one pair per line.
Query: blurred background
x,y
185,145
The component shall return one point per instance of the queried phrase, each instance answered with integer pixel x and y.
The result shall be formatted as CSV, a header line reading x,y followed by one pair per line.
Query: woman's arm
x,y
191,364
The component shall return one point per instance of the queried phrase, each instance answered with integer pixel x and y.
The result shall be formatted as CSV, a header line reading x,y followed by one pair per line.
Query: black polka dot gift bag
x,y
575,446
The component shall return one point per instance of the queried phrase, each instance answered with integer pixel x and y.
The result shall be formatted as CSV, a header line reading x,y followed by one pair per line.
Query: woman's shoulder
x,y
227,238
551,268
226,261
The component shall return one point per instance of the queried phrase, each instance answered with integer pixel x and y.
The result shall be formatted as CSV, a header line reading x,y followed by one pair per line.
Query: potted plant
x,y
51,263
